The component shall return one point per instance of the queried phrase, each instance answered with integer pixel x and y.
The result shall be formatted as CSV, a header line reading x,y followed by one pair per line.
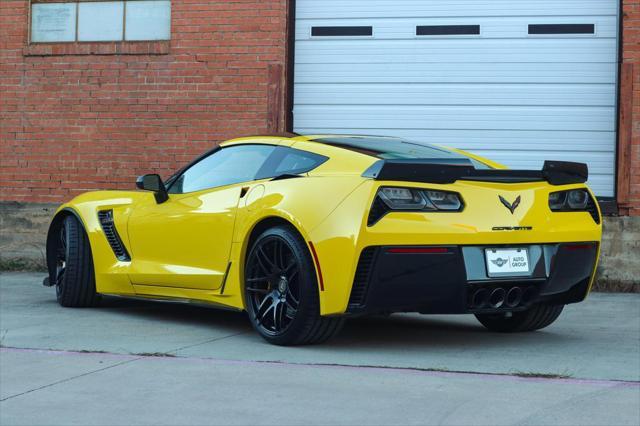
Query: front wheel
x,y
281,291
74,275
534,318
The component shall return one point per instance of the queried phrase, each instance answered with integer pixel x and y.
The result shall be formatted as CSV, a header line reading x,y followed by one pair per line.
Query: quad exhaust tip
x,y
500,297
514,297
480,298
496,299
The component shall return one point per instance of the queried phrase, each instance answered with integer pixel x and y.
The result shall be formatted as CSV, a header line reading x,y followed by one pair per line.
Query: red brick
x,y
631,54
86,116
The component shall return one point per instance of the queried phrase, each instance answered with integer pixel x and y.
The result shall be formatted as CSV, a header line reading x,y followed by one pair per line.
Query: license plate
x,y
507,262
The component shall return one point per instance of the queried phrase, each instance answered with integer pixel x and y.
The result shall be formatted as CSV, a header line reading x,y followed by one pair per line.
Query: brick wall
x,y
629,131
92,116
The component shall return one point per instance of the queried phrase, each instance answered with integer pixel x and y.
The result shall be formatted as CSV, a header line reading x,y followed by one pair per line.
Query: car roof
x,y
352,144
288,139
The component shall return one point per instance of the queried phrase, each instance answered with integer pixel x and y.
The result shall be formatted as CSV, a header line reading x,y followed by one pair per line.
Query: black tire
x,y
280,274
534,318
75,278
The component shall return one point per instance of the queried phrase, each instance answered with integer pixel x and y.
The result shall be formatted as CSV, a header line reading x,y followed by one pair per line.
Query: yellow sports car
x,y
304,231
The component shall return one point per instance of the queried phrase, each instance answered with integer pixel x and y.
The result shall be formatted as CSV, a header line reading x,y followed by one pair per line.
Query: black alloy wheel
x,y
273,284
281,290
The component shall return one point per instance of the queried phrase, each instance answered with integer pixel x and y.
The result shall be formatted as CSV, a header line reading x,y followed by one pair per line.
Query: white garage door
x,y
516,81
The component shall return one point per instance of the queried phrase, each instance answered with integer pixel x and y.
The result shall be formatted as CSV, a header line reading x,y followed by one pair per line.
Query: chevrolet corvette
x,y
302,232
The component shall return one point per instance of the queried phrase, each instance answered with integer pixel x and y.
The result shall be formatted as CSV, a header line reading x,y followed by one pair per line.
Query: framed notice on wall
x,y
53,22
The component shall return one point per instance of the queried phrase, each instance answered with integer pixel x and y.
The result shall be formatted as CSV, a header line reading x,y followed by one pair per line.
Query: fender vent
x,y
378,209
361,279
105,217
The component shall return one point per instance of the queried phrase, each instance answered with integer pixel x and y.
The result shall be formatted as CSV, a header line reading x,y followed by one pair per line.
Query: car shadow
x,y
178,313
401,331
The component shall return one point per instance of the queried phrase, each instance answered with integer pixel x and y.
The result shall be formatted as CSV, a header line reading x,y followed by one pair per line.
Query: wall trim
x,y
289,65
624,135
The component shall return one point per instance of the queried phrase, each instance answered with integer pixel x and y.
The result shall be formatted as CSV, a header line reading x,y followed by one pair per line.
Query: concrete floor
x,y
132,362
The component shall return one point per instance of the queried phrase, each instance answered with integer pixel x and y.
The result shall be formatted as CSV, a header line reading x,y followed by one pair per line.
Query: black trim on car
x,y
431,30
440,279
224,279
362,277
105,217
443,171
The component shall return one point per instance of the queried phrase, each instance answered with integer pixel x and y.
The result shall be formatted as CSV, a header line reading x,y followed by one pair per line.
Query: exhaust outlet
x,y
480,298
514,297
496,299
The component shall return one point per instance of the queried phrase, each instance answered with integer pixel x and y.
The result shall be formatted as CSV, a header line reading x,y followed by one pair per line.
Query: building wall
x,y
82,117
629,129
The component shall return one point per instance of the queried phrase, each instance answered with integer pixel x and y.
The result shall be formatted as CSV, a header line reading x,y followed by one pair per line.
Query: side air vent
x,y
363,275
108,227
378,209
593,210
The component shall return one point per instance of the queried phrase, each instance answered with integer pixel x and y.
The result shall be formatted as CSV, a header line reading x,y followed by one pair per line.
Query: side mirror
x,y
153,183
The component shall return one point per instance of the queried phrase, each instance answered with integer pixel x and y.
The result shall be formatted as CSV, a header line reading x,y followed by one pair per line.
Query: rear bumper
x,y
453,279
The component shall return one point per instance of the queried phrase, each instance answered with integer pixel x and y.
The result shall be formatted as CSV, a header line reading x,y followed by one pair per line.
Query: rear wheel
x,y
75,280
281,291
534,318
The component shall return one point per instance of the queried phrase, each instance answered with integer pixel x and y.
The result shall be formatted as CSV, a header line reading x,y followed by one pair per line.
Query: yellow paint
x,y
181,249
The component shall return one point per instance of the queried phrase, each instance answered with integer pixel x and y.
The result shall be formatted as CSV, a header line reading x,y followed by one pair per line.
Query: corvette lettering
x,y
512,228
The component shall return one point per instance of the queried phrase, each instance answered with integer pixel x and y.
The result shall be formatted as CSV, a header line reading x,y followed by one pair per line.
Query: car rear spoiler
x,y
450,170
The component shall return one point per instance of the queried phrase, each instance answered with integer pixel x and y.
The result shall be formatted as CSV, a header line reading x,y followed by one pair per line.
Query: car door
x,y
186,241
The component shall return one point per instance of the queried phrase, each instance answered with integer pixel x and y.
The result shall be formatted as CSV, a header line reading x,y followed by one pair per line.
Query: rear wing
x,y
450,170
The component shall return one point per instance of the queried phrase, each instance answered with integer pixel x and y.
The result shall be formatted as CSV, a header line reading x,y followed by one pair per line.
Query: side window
x,y
292,161
227,166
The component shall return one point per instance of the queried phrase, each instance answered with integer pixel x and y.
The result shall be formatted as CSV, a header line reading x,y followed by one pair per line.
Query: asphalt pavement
x,y
137,362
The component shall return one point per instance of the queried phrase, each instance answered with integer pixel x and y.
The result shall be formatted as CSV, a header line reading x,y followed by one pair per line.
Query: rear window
x,y
387,148
295,161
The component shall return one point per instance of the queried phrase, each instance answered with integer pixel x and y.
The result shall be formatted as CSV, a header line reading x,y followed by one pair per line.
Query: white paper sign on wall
x,y
53,22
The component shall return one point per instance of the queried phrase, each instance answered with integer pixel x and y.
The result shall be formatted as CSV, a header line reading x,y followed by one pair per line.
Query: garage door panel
x,y
459,117
462,72
455,94
533,159
501,140
314,9
490,27
513,96
539,50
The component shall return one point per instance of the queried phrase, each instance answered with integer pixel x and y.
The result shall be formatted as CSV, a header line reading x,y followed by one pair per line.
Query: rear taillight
x,y
391,198
574,200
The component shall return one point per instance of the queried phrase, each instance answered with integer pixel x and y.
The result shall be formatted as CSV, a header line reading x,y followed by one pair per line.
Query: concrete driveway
x,y
133,362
